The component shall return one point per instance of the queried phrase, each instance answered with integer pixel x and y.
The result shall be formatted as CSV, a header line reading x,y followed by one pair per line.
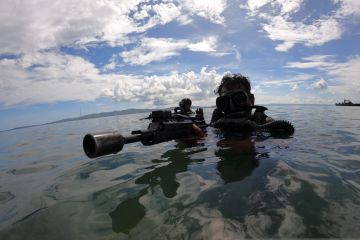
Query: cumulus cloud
x,y
153,49
206,45
348,8
295,87
278,22
320,85
165,90
112,64
282,6
158,49
42,24
46,77
149,16
211,10
34,32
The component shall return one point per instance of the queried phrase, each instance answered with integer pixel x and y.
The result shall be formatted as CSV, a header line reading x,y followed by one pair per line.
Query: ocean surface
x,y
304,186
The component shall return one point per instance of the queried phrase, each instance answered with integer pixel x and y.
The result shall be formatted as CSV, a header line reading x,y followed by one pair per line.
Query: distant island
x,y
104,114
90,116
96,115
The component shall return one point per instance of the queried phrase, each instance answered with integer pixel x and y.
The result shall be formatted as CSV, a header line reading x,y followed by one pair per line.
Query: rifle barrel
x,y
132,138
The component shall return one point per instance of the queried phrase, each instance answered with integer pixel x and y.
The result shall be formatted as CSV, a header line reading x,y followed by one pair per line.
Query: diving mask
x,y
233,102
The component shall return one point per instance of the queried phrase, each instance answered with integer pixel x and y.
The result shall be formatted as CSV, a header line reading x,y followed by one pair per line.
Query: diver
x,y
236,112
236,101
184,107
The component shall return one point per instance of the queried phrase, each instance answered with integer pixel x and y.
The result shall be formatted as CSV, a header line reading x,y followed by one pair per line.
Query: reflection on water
x,y
238,159
214,188
165,176
128,213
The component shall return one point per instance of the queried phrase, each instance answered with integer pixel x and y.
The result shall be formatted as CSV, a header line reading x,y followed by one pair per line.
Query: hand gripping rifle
x,y
164,126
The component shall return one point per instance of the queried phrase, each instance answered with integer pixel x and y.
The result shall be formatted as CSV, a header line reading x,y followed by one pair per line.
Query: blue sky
x,y
60,59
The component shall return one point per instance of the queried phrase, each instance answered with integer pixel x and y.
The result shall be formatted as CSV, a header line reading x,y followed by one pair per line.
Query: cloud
x,y
302,79
320,85
282,6
210,10
207,45
165,90
291,33
253,6
158,49
47,77
348,8
293,97
348,71
40,72
257,89
345,73
237,54
317,61
42,24
289,81
112,64
166,12
149,16
277,20
153,49
295,87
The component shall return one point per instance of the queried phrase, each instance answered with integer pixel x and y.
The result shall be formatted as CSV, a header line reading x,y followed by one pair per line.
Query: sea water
x,y
306,185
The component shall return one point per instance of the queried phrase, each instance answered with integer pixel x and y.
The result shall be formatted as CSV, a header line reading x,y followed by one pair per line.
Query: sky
x,y
66,58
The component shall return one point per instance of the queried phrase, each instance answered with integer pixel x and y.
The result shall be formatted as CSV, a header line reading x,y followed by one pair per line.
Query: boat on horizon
x,y
347,103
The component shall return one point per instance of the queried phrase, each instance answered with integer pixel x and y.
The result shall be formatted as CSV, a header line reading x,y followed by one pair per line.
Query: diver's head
x,y
185,104
235,94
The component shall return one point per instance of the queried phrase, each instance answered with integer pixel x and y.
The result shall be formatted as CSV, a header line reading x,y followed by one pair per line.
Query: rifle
x,y
164,126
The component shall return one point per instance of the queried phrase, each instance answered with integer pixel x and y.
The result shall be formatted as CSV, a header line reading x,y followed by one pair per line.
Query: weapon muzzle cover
x,y
99,144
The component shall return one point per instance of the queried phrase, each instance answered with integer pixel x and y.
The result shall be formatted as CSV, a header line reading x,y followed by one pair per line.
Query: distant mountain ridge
x,y
104,114
99,115
90,116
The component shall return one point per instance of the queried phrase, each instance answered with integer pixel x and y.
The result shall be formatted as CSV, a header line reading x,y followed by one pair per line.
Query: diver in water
x,y
184,107
236,112
236,101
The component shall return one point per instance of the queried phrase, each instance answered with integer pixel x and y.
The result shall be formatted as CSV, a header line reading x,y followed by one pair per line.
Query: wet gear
x,y
278,127
257,114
